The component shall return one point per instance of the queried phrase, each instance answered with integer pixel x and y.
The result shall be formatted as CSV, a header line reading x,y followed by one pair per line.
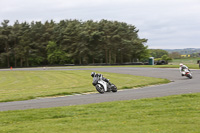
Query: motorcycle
x,y
187,73
102,86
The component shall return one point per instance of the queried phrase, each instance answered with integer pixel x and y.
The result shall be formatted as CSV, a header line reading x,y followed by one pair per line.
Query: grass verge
x,y
170,65
24,85
190,62
178,113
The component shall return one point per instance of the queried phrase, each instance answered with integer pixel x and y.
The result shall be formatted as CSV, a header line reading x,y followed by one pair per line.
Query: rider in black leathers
x,y
93,74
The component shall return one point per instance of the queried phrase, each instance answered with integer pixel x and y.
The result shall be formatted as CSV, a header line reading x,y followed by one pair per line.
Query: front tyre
x,y
114,88
100,88
189,76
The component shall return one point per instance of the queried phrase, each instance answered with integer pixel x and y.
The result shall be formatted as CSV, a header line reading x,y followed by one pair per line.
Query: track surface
x,y
180,85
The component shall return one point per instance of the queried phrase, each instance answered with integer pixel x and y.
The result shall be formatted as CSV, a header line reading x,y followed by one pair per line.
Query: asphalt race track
x,y
179,85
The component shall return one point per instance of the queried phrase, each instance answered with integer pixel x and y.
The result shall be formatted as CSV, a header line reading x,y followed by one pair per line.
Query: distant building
x,y
185,55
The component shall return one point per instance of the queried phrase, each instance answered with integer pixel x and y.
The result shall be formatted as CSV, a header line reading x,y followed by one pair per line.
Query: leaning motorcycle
x,y
187,73
102,86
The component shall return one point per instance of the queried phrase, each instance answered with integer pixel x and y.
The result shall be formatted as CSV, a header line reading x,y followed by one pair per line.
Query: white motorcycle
x,y
102,86
187,73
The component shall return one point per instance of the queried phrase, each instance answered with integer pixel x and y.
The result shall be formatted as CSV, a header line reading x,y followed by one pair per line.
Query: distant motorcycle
x,y
101,85
187,73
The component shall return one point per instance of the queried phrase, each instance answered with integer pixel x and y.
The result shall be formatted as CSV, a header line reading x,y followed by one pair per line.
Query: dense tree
x,y
71,41
166,58
158,53
4,39
15,38
55,55
175,55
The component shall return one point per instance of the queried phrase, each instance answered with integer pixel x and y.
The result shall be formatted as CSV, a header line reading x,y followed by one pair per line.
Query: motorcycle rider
x,y
182,68
93,74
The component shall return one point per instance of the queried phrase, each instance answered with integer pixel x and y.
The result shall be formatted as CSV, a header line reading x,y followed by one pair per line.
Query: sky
x,y
167,24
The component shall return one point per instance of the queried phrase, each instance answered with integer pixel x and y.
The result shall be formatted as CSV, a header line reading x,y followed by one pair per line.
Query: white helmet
x,y
93,74
181,64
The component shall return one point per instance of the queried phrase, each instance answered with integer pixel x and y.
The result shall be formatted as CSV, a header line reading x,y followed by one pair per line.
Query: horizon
x,y
175,48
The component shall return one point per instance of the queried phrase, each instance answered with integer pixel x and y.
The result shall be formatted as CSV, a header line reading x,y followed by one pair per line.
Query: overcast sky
x,y
165,23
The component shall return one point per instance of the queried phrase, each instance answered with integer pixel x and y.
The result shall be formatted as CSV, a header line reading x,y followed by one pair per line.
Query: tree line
x,y
69,42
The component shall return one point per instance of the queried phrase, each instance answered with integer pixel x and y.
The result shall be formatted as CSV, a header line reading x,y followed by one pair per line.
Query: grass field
x,y
179,114
190,62
23,85
185,61
172,114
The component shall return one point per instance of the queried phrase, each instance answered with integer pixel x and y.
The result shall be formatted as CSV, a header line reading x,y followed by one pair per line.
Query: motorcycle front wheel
x,y
114,88
190,76
100,88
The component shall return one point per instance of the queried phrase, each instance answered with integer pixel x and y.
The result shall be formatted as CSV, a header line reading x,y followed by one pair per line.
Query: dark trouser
x,y
105,79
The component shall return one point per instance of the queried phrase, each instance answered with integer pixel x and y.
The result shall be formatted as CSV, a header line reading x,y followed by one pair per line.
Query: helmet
x,y
181,64
92,74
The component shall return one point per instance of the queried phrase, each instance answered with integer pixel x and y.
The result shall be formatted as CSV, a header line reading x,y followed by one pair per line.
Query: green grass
x,y
23,85
185,60
170,65
172,114
190,62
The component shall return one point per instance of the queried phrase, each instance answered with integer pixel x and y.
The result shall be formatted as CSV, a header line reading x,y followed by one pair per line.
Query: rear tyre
x,y
100,88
